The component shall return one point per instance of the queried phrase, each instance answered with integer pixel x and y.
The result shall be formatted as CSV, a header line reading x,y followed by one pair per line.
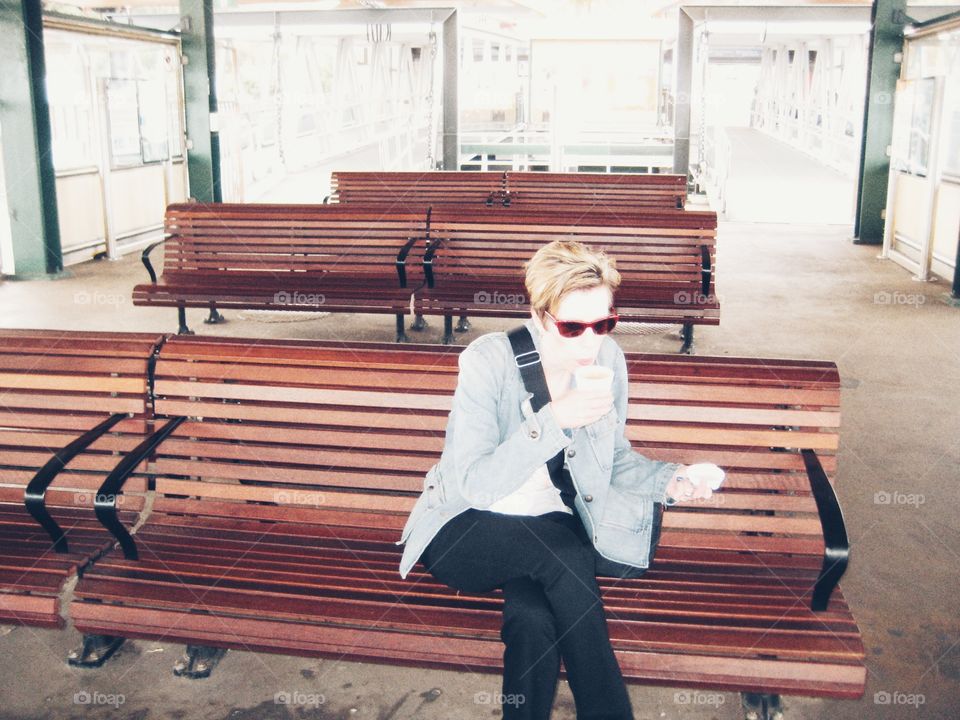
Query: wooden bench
x,y
71,404
404,189
293,465
286,257
474,263
531,191
584,192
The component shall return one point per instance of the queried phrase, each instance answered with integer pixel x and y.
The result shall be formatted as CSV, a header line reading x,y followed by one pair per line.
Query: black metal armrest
x,y
402,259
145,258
35,495
706,270
836,552
428,256
105,503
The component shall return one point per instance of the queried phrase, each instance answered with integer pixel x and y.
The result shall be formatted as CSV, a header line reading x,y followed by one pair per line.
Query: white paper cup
x,y
706,474
593,377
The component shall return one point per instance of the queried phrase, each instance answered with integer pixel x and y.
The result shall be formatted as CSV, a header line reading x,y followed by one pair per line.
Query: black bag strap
x,y
528,362
535,381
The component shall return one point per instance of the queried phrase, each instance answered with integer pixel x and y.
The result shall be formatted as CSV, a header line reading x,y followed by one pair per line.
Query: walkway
x,y
772,182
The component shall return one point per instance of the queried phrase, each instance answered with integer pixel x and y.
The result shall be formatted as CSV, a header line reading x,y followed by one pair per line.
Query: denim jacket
x,y
494,442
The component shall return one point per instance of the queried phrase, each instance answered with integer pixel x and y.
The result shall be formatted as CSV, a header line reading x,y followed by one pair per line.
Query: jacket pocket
x,y
601,436
433,488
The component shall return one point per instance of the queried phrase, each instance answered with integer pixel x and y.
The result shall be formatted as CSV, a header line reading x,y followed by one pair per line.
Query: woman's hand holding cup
x,y
589,401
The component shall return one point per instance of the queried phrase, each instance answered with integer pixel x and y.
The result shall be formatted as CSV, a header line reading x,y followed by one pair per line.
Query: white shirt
x,y
537,496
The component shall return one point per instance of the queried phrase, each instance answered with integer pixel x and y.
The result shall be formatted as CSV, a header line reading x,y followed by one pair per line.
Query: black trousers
x,y
552,608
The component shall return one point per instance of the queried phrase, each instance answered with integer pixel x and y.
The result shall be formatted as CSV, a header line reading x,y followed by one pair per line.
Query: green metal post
x,y
27,153
200,100
886,40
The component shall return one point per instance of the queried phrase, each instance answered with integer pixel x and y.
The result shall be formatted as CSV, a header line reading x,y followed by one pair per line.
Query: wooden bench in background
x,y
293,465
474,263
286,257
71,405
531,191
404,189
586,192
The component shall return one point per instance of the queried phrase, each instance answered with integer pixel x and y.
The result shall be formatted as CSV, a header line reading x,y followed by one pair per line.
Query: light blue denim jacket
x,y
495,441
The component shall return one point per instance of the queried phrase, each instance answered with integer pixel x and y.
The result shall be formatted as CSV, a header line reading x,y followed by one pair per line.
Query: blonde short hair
x,y
565,266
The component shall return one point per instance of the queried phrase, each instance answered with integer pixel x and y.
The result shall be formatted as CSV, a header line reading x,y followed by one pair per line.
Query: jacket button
x,y
571,453
588,498
534,434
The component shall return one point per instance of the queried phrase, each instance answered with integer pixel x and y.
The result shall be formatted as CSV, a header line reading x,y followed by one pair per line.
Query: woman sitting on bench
x,y
538,490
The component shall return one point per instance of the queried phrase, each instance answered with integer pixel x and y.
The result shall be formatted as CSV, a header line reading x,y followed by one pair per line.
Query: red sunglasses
x,y
572,329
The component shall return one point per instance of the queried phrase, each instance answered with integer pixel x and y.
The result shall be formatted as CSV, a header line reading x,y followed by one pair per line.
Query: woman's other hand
x,y
581,407
682,489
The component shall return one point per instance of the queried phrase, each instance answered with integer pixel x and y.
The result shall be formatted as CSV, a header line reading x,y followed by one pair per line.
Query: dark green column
x,y
200,99
27,156
886,39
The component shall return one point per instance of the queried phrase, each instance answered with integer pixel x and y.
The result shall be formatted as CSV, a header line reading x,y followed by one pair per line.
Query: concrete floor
x,y
806,190
787,291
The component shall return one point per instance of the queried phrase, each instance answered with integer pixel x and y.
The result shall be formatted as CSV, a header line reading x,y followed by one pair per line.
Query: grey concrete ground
x,y
787,291
807,191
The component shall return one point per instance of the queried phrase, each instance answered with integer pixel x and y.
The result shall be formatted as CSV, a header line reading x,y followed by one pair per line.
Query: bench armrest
x,y
836,552
402,259
105,503
706,270
35,494
145,259
428,256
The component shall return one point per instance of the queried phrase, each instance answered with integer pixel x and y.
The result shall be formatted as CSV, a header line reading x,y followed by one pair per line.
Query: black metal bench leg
x,y
463,325
687,335
95,651
182,317
198,661
401,333
448,330
418,323
215,317
757,706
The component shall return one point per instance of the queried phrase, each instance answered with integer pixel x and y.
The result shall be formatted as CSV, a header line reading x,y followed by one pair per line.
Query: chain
x,y
278,90
431,161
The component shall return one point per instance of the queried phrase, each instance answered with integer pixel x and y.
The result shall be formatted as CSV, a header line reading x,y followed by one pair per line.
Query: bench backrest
x,y
662,250
309,431
752,417
319,432
55,386
530,190
403,188
288,239
584,191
